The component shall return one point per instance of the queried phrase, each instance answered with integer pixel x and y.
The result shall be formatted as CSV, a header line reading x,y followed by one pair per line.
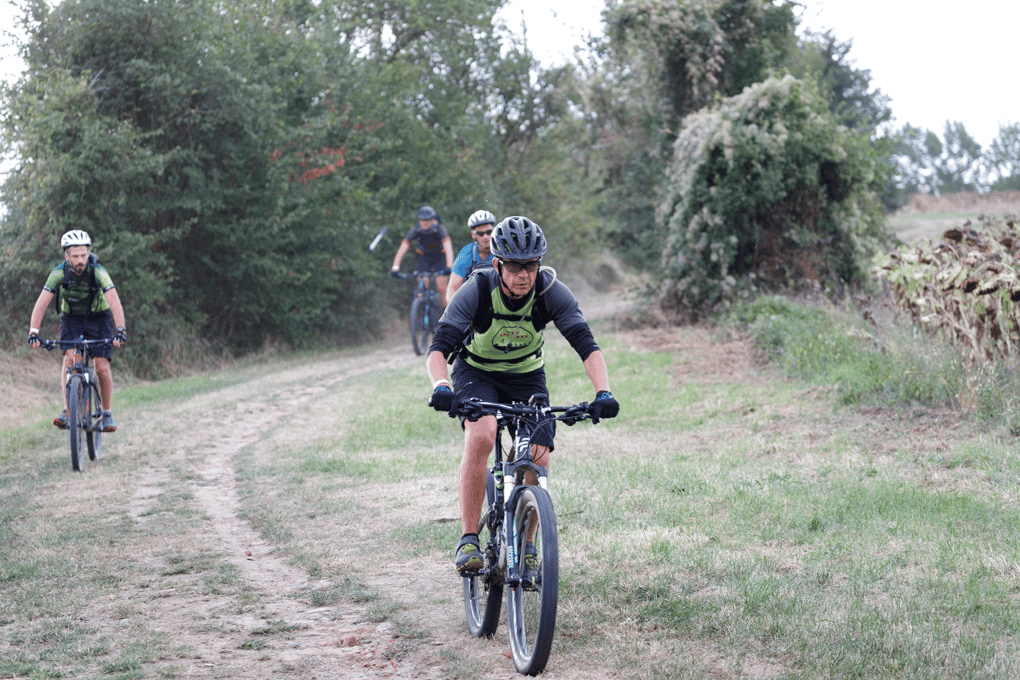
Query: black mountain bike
x,y
426,308
84,406
517,519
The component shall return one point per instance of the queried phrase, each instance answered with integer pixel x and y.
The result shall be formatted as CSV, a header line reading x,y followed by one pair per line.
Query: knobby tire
x,y
420,330
483,593
94,435
77,419
531,609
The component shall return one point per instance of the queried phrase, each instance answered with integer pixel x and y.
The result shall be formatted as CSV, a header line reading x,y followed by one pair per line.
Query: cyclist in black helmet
x,y
89,306
494,323
434,247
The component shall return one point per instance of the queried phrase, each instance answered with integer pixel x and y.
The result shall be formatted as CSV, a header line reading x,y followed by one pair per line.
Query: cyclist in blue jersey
x,y
89,306
495,327
434,248
474,255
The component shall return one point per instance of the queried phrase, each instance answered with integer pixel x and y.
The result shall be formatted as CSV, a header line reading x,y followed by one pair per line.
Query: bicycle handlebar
x,y
79,343
568,415
415,275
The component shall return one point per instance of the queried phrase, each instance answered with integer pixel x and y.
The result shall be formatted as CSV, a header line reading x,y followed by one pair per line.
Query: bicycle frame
x,y
509,473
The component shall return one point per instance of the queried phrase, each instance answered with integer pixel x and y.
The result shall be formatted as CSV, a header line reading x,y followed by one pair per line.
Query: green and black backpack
x,y
90,271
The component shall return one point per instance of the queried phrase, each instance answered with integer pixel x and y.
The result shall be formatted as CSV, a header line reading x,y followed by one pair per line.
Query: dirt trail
x,y
321,642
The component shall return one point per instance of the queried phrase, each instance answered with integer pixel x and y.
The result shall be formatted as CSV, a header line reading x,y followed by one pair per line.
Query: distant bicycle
x,y
517,530
84,406
426,308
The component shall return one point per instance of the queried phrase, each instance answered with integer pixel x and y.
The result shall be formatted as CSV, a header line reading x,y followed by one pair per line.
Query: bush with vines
x,y
766,192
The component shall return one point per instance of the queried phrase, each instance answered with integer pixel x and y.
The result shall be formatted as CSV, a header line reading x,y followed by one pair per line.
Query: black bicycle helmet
x,y
518,238
427,212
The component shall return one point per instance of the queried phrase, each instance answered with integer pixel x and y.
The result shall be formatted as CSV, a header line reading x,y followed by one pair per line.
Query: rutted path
x,y
321,641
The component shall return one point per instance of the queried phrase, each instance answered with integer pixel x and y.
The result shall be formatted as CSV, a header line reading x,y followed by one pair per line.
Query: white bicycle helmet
x,y
75,237
481,217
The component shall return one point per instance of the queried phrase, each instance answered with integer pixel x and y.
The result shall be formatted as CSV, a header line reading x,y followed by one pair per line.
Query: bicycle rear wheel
x,y
531,607
420,330
483,593
94,434
77,419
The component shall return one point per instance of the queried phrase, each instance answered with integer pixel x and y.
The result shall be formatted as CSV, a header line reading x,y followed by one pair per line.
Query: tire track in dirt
x,y
320,642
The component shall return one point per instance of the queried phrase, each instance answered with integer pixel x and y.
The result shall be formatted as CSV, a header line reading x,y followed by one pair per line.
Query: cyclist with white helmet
x,y
434,248
475,254
89,306
494,325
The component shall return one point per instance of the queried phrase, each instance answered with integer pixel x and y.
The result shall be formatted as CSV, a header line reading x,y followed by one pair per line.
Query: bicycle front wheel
x,y
420,329
77,419
483,593
94,434
531,604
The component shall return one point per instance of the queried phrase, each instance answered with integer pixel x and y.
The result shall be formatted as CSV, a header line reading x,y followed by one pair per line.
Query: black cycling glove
x,y
444,399
34,339
121,336
604,406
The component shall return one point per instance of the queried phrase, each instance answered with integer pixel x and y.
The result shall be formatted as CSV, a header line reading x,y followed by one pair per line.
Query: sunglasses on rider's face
x,y
518,267
479,232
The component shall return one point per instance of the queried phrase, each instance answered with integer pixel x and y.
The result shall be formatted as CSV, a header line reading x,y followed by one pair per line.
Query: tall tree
x,y
957,166
847,90
664,60
1003,158
698,49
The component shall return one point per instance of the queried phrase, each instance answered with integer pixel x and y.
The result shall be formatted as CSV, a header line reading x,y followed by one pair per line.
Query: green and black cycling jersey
x,y
492,332
75,293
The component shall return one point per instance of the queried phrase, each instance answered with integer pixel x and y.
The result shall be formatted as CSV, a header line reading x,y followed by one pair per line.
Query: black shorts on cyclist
x,y
503,388
95,326
432,263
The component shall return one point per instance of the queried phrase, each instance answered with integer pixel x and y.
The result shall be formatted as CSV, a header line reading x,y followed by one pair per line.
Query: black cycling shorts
x,y
503,388
96,326
432,263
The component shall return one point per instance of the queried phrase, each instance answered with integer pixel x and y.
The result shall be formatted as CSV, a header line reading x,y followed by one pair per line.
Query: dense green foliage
x,y
233,161
665,60
766,191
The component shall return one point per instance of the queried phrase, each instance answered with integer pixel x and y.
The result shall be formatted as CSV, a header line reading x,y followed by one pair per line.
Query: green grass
x,y
830,515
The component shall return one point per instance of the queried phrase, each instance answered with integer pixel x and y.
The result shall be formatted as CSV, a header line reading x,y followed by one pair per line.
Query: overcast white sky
x,y
937,61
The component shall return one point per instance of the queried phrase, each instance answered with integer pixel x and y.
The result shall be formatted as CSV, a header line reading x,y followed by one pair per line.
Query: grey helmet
x,y
427,212
480,217
75,237
518,238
